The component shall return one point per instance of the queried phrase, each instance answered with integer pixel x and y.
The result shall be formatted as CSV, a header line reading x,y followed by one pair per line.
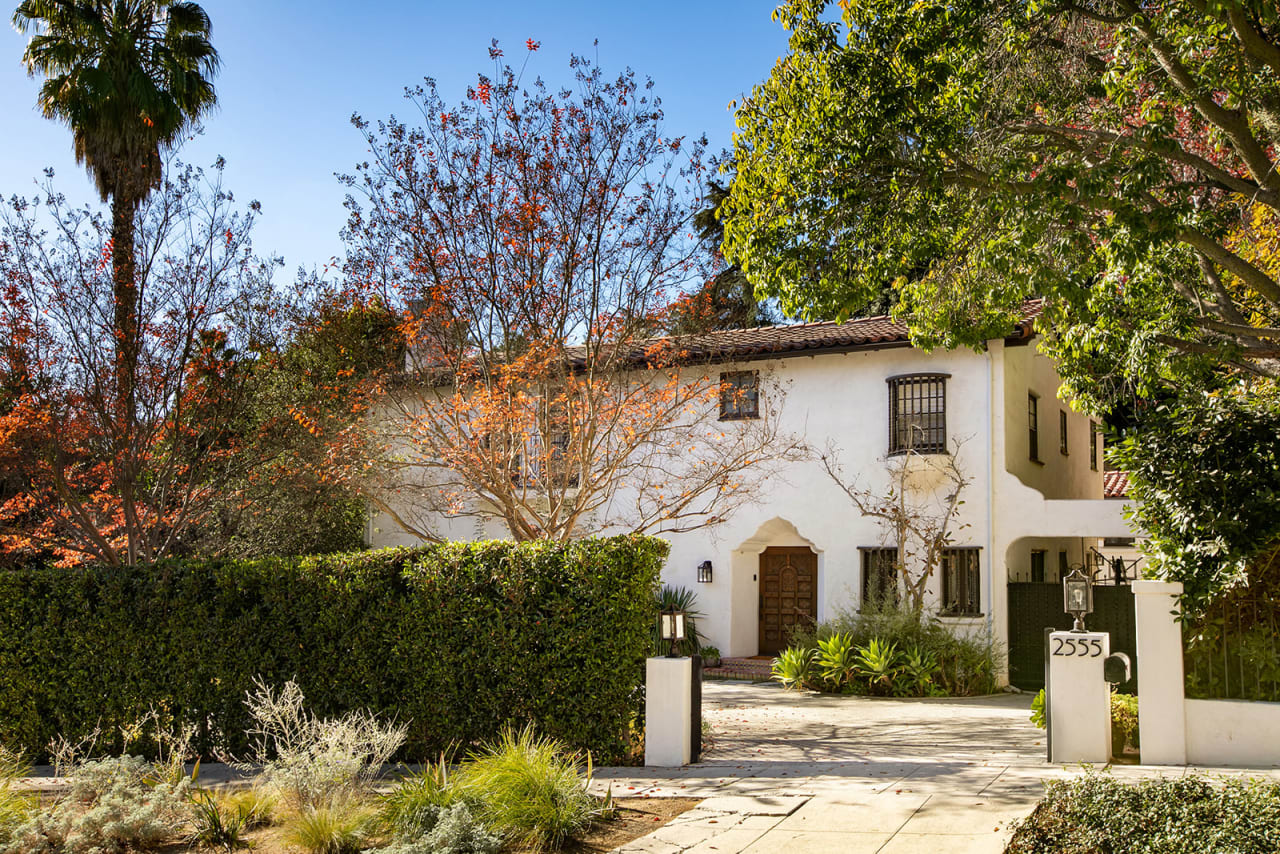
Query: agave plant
x,y
682,599
837,659
795,667
918,667
877,662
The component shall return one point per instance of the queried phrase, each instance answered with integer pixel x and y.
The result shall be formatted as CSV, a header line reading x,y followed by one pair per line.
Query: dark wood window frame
x,y
1033,426
874,570
1063,446
1093,446
918,413
962,584
739,395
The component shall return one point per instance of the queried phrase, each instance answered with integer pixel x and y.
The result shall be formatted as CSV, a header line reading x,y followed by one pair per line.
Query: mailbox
x,y
1116,668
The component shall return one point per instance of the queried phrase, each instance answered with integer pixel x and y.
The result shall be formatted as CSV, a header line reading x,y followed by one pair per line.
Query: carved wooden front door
x,y
788,594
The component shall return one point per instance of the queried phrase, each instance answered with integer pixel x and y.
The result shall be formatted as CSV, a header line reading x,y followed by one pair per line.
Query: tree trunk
x,y
124,210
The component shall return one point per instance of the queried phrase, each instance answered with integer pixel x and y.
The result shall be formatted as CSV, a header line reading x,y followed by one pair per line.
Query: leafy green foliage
x,y
1184,815
1037,710
530,788
1204,473
1124,723
975,154
430,636
837,659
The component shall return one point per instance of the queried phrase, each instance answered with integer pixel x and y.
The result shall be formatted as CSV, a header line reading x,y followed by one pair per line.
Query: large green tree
x,y
1115,156
128,77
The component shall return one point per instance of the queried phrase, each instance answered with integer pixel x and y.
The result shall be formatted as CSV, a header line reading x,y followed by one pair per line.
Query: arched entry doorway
x,y
788,594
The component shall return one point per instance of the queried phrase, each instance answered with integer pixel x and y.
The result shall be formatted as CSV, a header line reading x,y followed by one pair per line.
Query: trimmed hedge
x,y
458,639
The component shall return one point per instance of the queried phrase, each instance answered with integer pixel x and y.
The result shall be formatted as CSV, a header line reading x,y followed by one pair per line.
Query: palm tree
x,y
129,77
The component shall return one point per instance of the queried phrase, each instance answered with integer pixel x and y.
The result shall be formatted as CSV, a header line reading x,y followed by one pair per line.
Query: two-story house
x,y
1032,508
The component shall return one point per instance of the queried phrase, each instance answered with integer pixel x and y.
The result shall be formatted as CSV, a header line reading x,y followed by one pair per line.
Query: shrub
x,y
1185,815
216,826
1124,722
413,807
15,807
528,788
1037,710
795,667
428,634
964,665
339,828
111,805
456,832
315,762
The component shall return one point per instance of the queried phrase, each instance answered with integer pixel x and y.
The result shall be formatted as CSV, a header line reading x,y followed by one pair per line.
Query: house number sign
x,y
1079,645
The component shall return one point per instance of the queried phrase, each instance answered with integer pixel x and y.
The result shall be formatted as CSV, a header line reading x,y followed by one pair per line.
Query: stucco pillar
x,y
668,712
1162,713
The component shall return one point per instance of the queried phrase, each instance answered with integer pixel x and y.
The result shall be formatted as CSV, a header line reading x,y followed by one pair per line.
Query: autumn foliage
x,y
536,240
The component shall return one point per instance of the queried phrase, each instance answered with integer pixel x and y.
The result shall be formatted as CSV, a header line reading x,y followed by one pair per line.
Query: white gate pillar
x,y
1162,710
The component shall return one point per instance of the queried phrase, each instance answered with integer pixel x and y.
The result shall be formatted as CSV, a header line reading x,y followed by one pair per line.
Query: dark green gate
x,y
1033,607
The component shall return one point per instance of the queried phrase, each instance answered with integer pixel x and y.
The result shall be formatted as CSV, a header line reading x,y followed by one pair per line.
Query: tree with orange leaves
x,y
537,240
205,309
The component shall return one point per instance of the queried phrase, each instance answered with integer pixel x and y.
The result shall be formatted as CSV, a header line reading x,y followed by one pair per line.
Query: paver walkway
x,y
792,772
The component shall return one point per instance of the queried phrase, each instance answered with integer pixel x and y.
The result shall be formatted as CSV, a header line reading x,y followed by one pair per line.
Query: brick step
x,y
756,669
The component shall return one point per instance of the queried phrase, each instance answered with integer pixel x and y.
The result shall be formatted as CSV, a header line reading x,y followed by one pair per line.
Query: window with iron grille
x,y
1062,432
879,576
918,414
739,395
1033,427
961,582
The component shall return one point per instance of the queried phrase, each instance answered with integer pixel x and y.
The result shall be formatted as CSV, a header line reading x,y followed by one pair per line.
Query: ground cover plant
x,y
888,651
1185,815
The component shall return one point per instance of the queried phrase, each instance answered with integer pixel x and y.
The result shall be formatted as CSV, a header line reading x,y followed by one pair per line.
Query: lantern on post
x,y
672,629
1077,597
704,572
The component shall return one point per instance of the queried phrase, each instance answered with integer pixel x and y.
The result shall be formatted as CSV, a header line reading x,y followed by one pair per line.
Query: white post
x,y
1079,697
668,713
1162,710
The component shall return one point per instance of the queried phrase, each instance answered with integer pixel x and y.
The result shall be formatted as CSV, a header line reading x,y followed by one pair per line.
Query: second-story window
x,y
1062,432
1033,427
1093,446
918,414
739,395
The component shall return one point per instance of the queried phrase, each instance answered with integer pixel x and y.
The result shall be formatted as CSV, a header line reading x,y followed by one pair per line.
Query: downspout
x,y
991,487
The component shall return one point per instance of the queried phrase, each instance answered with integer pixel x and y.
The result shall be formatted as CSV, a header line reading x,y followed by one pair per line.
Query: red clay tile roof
x,y
1115,484
801,338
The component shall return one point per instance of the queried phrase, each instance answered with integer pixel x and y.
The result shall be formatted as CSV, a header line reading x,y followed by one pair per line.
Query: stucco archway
x,y
744,594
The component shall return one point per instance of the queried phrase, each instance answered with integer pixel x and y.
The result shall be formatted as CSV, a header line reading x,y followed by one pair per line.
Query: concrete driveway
x,y
799,772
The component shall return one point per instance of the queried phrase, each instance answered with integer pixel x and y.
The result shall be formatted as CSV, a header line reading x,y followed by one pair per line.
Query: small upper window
x,y
918,414
739,395
1062,432
1033,427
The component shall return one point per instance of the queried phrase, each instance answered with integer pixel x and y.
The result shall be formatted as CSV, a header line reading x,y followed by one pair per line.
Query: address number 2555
x,y
1082,647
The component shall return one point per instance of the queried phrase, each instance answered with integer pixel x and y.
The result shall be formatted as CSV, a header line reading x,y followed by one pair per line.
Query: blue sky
x,y
294,73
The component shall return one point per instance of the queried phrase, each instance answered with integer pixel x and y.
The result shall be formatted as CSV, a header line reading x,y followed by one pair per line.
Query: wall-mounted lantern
x,y
1077,597
704,572
672,629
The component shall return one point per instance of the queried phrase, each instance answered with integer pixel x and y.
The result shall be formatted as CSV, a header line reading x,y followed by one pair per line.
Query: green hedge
x,y
458,639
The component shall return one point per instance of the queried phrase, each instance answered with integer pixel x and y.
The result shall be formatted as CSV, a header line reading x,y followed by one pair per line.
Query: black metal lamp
x,y
672,629
704,572
1077,597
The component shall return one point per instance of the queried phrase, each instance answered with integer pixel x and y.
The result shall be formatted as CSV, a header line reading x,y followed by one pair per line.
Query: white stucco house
x,y
801,551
